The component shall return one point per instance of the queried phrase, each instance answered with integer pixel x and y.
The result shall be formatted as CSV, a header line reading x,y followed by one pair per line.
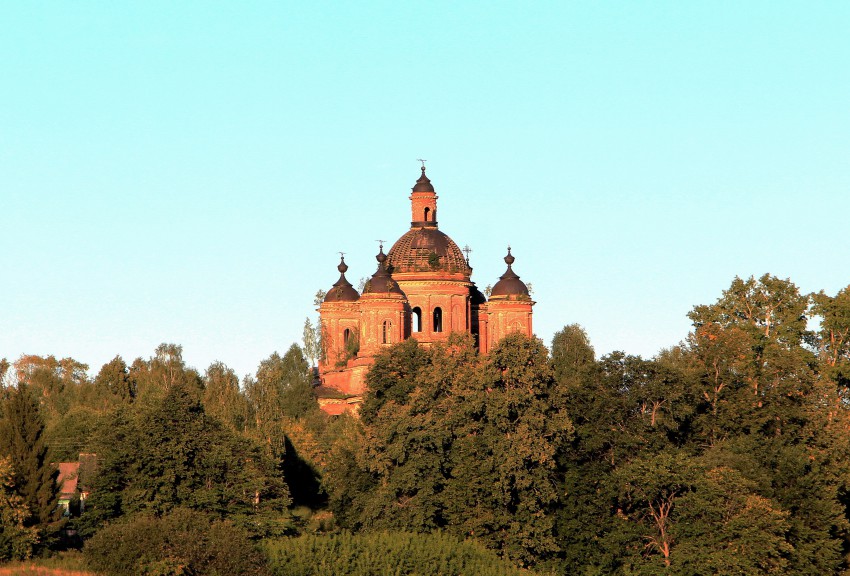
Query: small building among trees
x,y
74,482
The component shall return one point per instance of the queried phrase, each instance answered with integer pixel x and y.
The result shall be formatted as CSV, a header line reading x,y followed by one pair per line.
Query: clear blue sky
x,y
186,171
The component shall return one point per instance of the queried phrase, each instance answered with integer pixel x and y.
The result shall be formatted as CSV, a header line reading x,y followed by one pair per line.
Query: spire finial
x,y
381,257
466,250
343,267
423,164
509,259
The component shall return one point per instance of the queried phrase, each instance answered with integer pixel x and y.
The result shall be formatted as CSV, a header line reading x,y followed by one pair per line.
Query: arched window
x,y
386,332
427,212
438,319
417,319
346,335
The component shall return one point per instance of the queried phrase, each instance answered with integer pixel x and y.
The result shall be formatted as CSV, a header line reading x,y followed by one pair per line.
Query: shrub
x,y
384,553
181,543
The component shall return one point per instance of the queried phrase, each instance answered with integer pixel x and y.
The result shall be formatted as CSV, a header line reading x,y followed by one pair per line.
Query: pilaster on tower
x,y
423,203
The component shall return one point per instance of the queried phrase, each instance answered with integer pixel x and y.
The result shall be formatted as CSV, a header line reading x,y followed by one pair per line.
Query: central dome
x,y
427,250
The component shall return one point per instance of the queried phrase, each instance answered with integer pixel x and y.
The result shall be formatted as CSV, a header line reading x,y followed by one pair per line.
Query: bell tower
x,y
423,202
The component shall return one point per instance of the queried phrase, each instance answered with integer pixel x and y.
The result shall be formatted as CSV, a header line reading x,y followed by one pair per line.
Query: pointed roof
x,y
382,282
509,283
342,290
423,184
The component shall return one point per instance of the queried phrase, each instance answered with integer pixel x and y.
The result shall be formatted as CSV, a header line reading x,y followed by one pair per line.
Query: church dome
x,y
342,290
509,283
424,250
423,184
381,282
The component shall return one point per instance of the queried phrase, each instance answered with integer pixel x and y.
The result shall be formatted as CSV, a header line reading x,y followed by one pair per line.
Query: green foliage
x,y
351,348
769,307
283,388
833,338
53,382
171,454
677,515
71,434
312,341
153,378
571,352
17,540
459,442
504,456
223,399
114,380
346,477
383,553
182,542
22,441
392,376
767,405
725,455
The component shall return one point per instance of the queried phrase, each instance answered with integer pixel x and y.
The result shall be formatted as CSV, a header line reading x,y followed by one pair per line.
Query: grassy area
x,y
67,564
31,569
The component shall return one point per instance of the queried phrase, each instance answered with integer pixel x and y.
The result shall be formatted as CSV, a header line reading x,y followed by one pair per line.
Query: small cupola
x,y
509,284
423,203
342,290
423,184
381,281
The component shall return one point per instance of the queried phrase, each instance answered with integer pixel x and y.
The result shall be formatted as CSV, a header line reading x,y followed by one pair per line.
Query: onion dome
x,y
342,290
427,250
509,283
381,282
423,184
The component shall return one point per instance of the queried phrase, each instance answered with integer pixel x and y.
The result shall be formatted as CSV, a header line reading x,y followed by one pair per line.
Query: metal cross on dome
x,y
423,162
466,250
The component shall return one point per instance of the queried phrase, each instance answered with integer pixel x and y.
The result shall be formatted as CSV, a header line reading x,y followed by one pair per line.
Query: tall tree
x,y
677,514
769,307
463,443
17,540
222,397
171,454
505,456
113,381
56,383
572,353
833,338
21,440
153,378
4,369
624,408
283,388
312,341
765,404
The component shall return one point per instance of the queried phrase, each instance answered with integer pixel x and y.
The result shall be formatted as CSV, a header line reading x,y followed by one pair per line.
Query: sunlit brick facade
x,y
422,289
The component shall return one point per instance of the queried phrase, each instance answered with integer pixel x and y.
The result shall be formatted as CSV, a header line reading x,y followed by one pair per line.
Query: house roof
x,y
67,480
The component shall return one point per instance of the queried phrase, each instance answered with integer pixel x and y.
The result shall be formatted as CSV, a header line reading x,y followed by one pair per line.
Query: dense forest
x,y
728,453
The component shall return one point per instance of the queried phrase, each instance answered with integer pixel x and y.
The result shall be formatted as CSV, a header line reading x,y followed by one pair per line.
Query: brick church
x,y
421,289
